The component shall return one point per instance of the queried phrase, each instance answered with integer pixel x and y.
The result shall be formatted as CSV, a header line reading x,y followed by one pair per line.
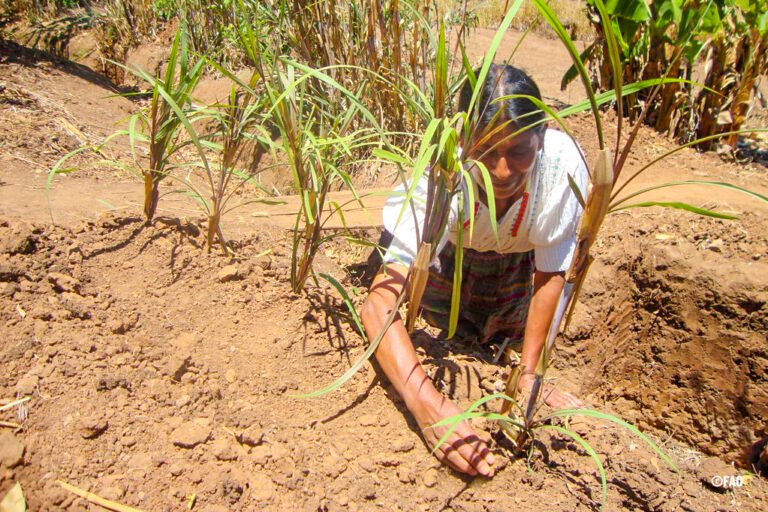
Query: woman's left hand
x,y
552,396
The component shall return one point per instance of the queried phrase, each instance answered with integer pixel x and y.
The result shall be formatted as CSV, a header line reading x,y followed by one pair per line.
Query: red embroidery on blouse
x,y
520,214
466,222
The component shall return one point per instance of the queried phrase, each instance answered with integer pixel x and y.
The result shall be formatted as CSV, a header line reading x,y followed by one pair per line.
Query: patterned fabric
x,y
544,220
496,290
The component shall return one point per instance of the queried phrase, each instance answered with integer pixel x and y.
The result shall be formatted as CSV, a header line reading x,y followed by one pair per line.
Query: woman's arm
x,y
464,451
547,287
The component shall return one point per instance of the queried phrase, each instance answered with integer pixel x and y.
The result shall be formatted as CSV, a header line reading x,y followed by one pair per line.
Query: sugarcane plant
x,y
162,124
236,125
160,129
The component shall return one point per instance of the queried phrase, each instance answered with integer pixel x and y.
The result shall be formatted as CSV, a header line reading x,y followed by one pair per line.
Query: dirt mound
x,y
676,321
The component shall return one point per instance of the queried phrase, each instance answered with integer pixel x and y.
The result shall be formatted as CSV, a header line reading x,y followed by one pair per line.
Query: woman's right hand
x,y
463,451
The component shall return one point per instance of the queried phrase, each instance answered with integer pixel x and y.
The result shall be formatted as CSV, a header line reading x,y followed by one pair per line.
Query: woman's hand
x,y
463,451
552,396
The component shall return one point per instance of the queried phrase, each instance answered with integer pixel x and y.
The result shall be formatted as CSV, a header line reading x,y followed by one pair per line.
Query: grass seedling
x,y
163,127
236,123
163,122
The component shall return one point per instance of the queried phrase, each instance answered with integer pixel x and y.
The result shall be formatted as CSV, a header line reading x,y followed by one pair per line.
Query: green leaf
x,y
575,189
390,156
615,60
470,73
453,421
637,10
488,186
609,417
679,206
571,74
592,453
453,318
762,24
551,18
491,53
691,182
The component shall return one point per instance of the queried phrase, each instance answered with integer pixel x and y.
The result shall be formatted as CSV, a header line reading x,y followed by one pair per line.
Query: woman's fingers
x,y
465,452
561,399
553,397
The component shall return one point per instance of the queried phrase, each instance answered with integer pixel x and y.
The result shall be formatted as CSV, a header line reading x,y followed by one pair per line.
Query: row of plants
x,y
721,44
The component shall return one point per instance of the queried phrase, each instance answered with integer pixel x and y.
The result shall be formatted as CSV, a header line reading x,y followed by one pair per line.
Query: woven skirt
x,y
496,290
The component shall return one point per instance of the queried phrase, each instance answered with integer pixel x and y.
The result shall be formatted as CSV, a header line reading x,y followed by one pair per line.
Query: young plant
x,y
515,430
162,124
237,124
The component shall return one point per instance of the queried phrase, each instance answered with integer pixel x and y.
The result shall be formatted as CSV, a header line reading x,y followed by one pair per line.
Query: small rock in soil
x,y
18,243
185,342
333,465
364,488
223,450
80,307
27,384
9,272
229,273
369,420
430,477
231,490
366,463
177,366
11,450
123,325
252,436
262,488
8,289
715,245
405,475
403,445
176,469
109,382
64,283
261,454
91,427
113,493
192,433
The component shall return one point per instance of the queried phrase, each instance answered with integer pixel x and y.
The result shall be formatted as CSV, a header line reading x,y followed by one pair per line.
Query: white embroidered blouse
x,y
545,219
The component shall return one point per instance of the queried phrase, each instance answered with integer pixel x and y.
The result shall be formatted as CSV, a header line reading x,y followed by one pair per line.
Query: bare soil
x,y
158,372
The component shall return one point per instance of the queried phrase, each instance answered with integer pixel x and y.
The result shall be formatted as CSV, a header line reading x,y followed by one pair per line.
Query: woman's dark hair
x,y
503,80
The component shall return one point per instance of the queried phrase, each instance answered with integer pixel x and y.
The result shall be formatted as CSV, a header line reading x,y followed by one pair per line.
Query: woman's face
x,y
508,160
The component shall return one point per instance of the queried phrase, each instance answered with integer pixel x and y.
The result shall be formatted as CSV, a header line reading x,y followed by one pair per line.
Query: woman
x,y
510,289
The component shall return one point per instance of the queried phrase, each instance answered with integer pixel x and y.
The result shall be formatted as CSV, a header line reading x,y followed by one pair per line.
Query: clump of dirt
x,y
675,319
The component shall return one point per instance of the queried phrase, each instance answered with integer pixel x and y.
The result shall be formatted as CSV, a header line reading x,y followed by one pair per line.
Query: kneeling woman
x,y
510,288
